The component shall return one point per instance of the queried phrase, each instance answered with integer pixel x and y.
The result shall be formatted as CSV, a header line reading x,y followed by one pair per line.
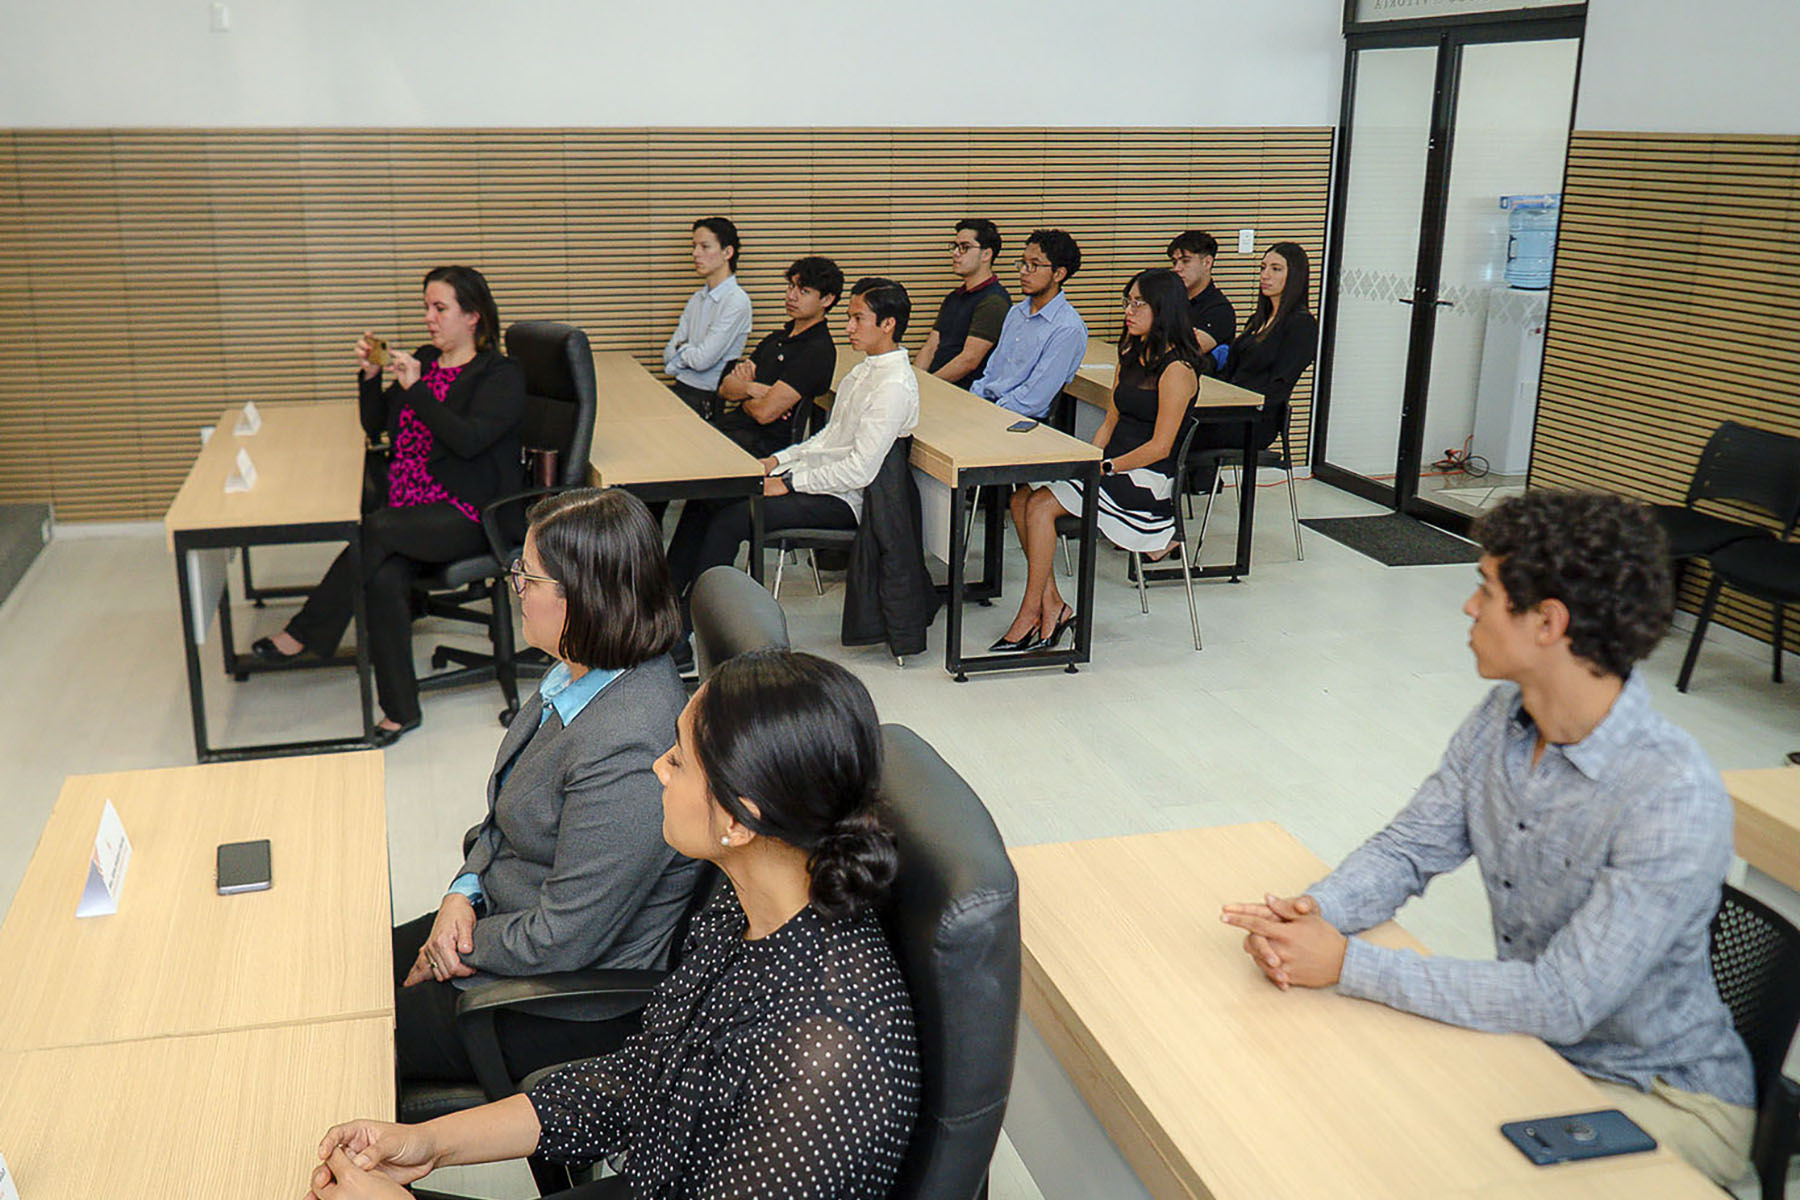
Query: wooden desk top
x,y
178,958
217,1117
958,431
1093,383
309,468
1214,1084
644,433
1768,820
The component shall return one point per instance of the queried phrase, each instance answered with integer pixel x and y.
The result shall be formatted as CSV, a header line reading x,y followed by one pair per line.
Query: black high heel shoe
x,y
1063,622
1031,639
266,651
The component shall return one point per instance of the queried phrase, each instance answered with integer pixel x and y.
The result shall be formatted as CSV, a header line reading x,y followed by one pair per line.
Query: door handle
x,y
1446,303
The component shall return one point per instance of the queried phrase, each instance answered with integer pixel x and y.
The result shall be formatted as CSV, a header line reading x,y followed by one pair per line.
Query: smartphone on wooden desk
x,y
243,867
1575,1136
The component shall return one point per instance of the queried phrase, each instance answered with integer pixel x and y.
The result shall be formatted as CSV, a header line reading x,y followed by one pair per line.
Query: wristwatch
x,y
1106,466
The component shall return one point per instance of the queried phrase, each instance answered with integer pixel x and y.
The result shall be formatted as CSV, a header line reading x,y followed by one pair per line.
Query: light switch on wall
x,y
1246,237
221,18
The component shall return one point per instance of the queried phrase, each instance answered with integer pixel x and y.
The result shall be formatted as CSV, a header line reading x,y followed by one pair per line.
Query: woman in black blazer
x,y
452,418
1278,343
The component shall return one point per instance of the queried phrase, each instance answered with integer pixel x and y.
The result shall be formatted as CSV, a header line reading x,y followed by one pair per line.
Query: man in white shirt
x,y
818,483
716,321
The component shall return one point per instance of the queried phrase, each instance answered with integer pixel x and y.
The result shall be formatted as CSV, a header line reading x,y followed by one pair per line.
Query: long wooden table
x,y
1767,803
222,1116
178,958
309,477
1214,1084
1217,402
647,440
962,441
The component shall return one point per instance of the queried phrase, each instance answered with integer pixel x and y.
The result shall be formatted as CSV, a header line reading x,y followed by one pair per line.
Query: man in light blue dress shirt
x,y
716,321
1601,832
1043,339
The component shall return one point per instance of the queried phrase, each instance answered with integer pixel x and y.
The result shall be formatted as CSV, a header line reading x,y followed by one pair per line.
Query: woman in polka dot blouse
x,y
778,1059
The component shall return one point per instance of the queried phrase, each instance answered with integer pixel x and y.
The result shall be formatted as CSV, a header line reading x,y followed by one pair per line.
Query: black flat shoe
x,y
1063,624
381,739
266,651
1030,640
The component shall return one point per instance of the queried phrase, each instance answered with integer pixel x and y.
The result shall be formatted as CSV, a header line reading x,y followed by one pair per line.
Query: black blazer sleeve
x,y
372,404
495,406
1273,367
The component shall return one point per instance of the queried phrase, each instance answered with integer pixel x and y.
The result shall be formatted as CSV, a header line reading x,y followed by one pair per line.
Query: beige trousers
x,y
1711,1135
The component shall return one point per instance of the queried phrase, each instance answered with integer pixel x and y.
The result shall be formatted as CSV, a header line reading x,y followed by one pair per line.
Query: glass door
x,y
1441,247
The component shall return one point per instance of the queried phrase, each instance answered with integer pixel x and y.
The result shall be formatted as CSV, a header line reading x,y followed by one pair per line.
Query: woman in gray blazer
x,y
569,870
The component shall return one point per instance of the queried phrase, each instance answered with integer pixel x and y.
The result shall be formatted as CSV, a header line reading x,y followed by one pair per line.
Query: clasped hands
x,y
452,936
371,1160
1290,940
773,485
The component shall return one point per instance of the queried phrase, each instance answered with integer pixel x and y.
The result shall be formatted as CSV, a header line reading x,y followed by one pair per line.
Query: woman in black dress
x,y
1159,366
1278,343
778,1059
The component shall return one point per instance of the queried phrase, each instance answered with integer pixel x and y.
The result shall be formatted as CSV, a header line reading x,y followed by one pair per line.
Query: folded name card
x,y
8,1189
249,421
244,478
106,871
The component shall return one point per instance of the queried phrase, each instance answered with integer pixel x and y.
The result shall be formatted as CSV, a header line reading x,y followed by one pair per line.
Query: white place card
x,y
106,870
244,478
9,1190
249,421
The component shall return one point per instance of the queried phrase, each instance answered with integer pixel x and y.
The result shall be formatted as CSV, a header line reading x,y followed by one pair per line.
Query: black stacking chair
x,y
1756,962
733,614
1282,460
1752,468
953,919
1182,556
814,540
559,419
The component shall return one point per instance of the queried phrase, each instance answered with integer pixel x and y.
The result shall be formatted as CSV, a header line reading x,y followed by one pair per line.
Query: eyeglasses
x,y
520,575
1028,266
1132,304
964,247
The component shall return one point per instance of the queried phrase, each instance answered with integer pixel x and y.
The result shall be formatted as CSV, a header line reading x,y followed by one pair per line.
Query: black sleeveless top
x,y
1135,396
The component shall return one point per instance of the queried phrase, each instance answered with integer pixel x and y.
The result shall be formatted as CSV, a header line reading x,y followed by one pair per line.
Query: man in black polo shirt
x,y
969,319
764,396
1215,321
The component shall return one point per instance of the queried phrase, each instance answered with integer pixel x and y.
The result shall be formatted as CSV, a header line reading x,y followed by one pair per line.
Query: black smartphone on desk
x,y
1575,1136
1024,426
243,867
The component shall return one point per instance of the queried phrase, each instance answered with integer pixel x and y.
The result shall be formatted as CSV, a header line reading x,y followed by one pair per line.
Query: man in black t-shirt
x,y
969,319
1215,321
764,397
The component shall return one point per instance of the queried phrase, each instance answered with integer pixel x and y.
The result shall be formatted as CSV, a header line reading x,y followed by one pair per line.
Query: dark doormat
x,y
1394,540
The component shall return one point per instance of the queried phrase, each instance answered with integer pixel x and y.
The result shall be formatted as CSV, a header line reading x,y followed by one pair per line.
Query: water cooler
x,y
1512,355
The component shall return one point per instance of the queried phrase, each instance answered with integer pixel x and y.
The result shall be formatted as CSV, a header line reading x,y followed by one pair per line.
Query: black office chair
x,y
1756,962
814,540
733,614
559,419
1282,460
478,1006
1752,468
1182,556
953,919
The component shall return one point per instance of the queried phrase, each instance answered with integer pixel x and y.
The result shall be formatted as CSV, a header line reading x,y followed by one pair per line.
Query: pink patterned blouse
x,y
409,483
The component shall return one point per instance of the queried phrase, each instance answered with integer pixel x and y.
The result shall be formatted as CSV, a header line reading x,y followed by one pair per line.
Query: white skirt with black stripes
x,y
1137,507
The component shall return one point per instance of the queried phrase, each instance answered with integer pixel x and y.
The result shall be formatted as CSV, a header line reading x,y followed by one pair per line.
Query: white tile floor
x,y
1326,691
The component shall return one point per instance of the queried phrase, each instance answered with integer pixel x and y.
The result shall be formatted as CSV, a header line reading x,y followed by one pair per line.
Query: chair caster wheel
x,y
506,717
240,676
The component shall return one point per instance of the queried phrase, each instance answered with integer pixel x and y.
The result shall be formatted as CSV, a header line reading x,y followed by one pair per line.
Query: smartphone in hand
x,y
378,352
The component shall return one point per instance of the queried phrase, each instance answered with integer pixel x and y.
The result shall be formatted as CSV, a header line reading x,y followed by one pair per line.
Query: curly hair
x,y
1059,248
820,274
1604,557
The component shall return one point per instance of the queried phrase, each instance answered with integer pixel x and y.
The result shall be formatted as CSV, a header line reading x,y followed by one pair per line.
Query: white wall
x,y
1674,66
532,63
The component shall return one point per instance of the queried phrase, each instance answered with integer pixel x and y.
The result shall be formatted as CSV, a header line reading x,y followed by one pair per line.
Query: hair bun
x,y
853,865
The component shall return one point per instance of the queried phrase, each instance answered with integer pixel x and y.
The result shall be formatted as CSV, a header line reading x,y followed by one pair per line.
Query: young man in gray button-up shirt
x,y
1601,831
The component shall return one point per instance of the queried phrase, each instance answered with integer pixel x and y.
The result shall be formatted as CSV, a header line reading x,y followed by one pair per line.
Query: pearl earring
x,y
726,840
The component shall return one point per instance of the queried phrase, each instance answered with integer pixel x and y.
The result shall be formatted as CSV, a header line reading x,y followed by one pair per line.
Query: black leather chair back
x,y
954,921
559,393
732,614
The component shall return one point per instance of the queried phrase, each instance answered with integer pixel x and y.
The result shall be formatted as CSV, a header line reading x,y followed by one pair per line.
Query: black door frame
x,y
1449,35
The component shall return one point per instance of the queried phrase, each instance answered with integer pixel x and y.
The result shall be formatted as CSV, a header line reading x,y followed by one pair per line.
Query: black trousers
x,y
395,541
426,1045
699,399
710,532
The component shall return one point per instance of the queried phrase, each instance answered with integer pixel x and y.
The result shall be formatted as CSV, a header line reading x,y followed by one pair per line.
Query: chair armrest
x,y
1777,1135
503,992
490,520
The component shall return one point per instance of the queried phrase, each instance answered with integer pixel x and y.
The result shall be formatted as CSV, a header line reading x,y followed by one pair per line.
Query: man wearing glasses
x,y
1043,337
1215,321
969,319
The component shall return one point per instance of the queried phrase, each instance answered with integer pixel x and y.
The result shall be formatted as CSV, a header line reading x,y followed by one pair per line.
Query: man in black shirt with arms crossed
x,y
762,396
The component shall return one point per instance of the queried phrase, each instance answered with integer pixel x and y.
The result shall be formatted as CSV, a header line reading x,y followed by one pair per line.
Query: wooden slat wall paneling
x,y
149,278
1677,306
